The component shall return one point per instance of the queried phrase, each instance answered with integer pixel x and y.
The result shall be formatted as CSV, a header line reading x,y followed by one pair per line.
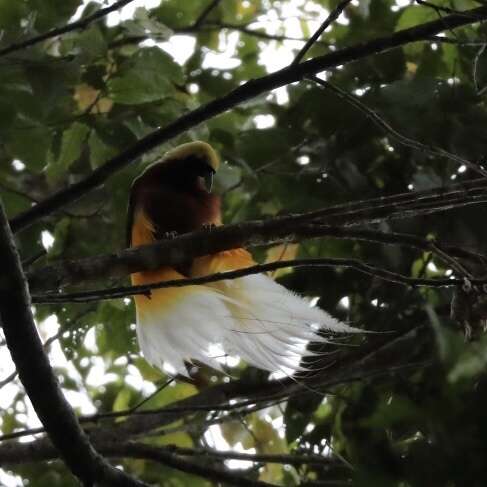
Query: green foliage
x,y
148,76
69,104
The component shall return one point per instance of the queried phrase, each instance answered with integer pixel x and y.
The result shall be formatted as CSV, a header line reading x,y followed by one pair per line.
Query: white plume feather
x,y
253,317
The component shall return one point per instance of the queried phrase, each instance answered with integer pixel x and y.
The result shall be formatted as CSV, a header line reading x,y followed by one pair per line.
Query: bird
x,y
253,317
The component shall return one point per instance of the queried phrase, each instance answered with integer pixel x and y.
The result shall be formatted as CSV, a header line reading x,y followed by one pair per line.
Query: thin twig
x,y
402,139
334,14
26,263
286,459
206,12
445,10
47,343
457,42
357,265
78,25
244,92
242,407
211,26
150,396
478,88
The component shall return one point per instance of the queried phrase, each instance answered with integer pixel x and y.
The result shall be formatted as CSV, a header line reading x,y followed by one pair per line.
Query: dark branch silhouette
x,y
373,116
334,14
279,229
366,361
245,92
206,12
37,376
78,25
357,265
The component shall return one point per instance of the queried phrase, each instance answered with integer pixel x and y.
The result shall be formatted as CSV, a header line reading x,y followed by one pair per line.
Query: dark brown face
x,y
175,196
192,174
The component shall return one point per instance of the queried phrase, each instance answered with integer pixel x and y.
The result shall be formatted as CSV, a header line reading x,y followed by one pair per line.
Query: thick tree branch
x,y
377,357
78,25
37,376
247,91
285,228
216,474
295,459
42,451
357,265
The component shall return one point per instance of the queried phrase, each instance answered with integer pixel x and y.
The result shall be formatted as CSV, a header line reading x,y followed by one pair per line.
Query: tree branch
x,y
402,139
37,376
142,451
438,9
211,26
206,12
357,265
78,25
377,357
285,228
42,451
334,14
295,459
239,95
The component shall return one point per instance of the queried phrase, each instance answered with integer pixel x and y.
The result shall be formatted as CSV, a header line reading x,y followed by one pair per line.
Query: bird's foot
x,y
169,235
208,227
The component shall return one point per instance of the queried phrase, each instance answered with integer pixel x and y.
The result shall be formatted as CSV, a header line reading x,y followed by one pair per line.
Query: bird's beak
x,y
208,180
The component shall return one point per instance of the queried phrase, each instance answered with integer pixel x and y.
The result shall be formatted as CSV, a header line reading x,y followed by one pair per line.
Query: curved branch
x,y
295,459
205,13
279,229
78,25
245,92
334,14
37,376
147,452
209,27
357,265
42,451
402,139
375,357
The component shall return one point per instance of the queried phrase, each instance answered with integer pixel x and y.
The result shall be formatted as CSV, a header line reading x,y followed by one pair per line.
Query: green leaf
x,y
72,145
415,15
30,145
99,151
471,362
180,438
115,337
298,414
412,16
122,401
51,13
11,13
142,25
148,372
61,235
150,77
91,43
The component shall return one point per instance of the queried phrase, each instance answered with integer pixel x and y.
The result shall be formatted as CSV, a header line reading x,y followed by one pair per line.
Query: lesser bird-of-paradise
x,y
253,317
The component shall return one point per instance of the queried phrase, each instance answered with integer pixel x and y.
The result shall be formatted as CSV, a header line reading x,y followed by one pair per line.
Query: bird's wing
x,y
272,325
176,324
